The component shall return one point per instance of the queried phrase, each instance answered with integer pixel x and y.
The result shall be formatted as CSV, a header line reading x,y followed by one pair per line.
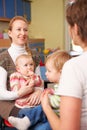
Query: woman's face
x,y
19,32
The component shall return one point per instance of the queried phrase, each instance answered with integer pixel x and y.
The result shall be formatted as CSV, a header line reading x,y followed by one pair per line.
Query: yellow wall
x,y
47,22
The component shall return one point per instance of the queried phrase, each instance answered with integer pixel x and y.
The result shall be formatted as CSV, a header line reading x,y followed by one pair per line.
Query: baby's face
x,y
51,73
26,66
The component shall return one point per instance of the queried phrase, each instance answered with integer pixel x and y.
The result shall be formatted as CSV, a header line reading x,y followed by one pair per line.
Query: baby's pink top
x,y
17,80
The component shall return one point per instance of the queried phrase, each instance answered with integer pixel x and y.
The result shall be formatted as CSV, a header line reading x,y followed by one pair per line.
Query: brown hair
x,y
58,58
76,13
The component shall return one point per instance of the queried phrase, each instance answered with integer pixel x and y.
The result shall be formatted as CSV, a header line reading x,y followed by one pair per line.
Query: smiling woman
x,y
7,59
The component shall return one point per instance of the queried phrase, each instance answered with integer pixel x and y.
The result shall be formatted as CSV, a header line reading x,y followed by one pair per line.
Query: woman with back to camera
x,y
73,81
18,33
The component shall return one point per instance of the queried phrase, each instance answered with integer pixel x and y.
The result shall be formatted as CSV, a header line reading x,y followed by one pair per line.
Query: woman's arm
x,y
9,95
34,98
70,112
4,93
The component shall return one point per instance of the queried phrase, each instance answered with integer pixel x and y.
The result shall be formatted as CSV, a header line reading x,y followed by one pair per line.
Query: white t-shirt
x,y
4,93
73,82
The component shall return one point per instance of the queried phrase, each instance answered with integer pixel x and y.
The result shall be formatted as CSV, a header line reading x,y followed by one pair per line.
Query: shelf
x,y
36,45
4,19
7,42
36,40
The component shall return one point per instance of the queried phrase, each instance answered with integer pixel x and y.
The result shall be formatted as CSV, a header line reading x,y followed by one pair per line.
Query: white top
x,y
14,51
4,93
73,82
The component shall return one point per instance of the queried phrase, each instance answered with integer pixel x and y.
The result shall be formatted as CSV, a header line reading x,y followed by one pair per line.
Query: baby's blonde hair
x,y
23,56
58,59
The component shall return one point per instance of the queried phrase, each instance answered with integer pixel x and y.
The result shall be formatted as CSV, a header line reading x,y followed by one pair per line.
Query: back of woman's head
x,y
76,13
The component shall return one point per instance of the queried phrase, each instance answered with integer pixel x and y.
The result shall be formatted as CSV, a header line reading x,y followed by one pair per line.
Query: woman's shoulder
x,y
4,56
2,69
76,62
3,72
4,52
6,62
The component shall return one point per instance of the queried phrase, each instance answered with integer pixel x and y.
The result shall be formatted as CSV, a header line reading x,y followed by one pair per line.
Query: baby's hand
x,y
31,83
31,73
49,91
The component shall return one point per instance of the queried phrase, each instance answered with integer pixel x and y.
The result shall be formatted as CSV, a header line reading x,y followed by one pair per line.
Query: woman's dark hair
x,y
76,13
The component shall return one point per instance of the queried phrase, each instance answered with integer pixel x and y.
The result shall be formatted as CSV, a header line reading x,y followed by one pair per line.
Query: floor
x,y
9,129
5,128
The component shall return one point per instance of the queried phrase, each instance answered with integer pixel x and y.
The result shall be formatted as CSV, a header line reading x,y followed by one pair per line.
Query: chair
x,y
5,124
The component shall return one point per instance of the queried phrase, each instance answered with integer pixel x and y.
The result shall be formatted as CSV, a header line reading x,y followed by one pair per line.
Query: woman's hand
x,y
45,99
34,98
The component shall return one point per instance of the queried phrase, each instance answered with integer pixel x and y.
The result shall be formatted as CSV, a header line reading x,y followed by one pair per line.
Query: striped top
x,y
17,80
